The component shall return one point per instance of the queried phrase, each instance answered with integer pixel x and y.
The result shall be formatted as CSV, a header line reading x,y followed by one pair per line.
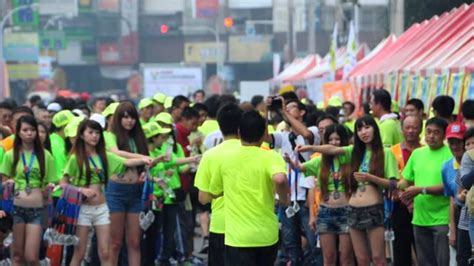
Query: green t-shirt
x,y
390,163
208,168
173,181
58,150
19,175
313,168
424,169
245,178
2,153
157,171
110,140
115,166
390,131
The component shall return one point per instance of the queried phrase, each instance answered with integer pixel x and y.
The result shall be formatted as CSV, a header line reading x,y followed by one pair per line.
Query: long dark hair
x,y
377,162
326,160
37,146
47,142
136,133
79,149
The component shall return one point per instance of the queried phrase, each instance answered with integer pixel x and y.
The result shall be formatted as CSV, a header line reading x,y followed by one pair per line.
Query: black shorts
x,y
194,193
254,256
216,249
366,218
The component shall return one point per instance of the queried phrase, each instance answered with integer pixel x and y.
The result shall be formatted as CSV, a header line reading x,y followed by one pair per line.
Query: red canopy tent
x,y
442,44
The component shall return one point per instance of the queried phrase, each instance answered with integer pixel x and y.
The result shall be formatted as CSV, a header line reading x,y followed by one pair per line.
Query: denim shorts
x,y
126,198
23,215
366,218
332,220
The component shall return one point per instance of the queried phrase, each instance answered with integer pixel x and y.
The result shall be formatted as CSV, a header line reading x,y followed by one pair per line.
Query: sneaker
x,y
470,261
205,245
194,261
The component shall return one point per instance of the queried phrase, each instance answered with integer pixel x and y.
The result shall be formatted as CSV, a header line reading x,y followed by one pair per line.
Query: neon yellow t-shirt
x,y
390,132
245,178
208,168
350,124
115,166
209,126
35,174
424,169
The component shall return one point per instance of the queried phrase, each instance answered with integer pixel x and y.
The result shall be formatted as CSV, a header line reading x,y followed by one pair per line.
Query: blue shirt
x,y
449,172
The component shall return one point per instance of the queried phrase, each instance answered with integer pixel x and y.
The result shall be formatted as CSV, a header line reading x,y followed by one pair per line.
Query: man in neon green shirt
x,y
210,125
248,179
390,129
208,169
431,207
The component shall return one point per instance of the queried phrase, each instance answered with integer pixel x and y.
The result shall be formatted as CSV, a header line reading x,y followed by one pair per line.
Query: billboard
x,y
171,80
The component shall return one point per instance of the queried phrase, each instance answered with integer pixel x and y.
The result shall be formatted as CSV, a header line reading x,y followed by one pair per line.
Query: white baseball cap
x,y
54,107
99,119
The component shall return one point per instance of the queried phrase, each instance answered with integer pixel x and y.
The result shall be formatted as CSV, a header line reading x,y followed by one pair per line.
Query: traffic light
x,y
228,22
164,28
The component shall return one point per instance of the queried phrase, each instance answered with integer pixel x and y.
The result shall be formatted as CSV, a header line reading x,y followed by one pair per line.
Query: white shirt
x,y
213,139
281,141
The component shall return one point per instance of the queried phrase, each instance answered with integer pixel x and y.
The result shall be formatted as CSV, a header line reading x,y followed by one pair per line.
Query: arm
x,y
204,197
312,214
403,183
282,189
137,162
188,160
363,177
413,191
298,126
126,154
324,149
468,179
452,225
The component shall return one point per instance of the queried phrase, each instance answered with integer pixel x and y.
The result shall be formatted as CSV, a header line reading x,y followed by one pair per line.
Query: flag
x,y
332,52
351,51
468,87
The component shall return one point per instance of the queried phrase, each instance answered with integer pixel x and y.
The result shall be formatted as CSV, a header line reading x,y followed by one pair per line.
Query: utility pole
x,y
311,27
397,16
290,34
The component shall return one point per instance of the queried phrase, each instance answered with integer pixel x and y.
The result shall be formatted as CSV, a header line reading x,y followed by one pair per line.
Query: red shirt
x,y
182,135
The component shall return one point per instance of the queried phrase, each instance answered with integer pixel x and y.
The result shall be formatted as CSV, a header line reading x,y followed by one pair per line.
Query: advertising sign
x,y
204,52
171,81
26,16
206,8
21,46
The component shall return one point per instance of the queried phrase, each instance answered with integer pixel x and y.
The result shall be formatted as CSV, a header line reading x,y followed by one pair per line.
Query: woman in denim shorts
x,y
30,167
373,166
89,168
333,174
123,192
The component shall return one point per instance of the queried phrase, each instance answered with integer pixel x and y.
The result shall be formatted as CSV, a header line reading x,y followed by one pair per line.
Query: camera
x,y
276,104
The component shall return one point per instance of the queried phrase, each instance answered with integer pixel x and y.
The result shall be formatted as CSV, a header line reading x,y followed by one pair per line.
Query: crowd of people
x,y
273,181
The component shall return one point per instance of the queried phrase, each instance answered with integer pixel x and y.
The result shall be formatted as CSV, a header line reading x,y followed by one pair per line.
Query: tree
x,y
419,10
